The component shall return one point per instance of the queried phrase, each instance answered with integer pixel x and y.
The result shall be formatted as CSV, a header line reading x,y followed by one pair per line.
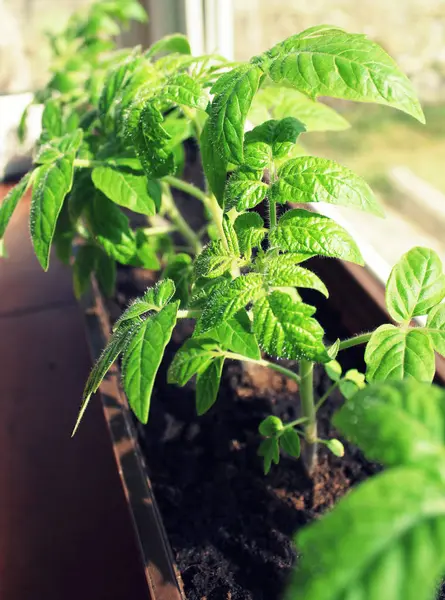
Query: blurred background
x,y
402,160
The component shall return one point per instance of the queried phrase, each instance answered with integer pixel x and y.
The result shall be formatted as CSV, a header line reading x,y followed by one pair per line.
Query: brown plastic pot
x,y
161,574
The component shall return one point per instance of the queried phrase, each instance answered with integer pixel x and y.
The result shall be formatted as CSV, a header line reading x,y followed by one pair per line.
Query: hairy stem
x,y
272,204
355,341
180,223
309,451
326,395
264,363
84,163
189,314
216,213
186,187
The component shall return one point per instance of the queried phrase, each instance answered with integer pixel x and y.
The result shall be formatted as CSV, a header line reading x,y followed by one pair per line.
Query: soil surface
x,y
229,525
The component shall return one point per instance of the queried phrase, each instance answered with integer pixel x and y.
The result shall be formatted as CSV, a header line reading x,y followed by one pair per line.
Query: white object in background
x,y
194,23
15,157
219,27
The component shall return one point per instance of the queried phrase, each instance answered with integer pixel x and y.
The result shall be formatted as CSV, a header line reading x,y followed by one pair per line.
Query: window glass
x,y
24,50
403,160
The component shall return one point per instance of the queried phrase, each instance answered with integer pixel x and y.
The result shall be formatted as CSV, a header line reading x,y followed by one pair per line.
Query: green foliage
x,y
302,231
311,179
143,356
393,543
415,287
51,184
327,61
134,192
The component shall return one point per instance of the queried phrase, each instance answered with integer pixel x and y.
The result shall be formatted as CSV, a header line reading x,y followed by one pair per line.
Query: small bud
x,y
336,447
270,426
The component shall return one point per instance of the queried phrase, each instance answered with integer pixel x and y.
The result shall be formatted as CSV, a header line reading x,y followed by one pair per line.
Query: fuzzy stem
x,y
189,314
309,453
216,213
186,187
264,363
326,395
180,223
272,204
84,163
355,341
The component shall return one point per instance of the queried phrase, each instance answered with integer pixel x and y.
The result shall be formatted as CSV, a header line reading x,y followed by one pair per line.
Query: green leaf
x,y
281,102
249,228
150,140
155,298
115,82
145,251
435,326
83,267
333,370
352,382
47,154
282,272
312,179
143,356
9,203
290,442
180,270
106,273
227,300
183,90
331,62
203,288
302,231
51,184
213,261
70,142
385,539
415,285
403,423
52,123
207,385
284,328
234,92
235,334
230,235
213,163
134,192
193,357
394,353
336,447
111,229
270,452
279,135
116,344
270,426
245,189
257,155
175,42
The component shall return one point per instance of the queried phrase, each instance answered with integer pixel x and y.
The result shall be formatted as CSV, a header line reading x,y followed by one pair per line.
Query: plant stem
x,y
272,204
355,341
216,213
186,187
84,163
309,453
180,223
159,230
264,363
189,314
326,395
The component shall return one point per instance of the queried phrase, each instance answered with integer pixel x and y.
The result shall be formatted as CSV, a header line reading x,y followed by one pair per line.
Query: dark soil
x,y
231,527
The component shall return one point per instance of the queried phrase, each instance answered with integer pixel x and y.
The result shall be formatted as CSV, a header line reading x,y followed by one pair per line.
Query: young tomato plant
x,y
126,152
386,538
